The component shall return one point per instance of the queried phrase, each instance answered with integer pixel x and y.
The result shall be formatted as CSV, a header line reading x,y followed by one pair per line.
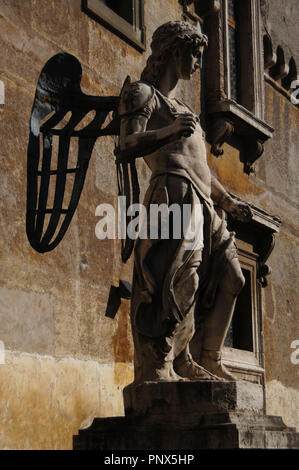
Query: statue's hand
x,y
239,210
184,125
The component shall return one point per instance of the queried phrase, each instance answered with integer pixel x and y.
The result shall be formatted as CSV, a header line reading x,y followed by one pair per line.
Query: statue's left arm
x,y
222,198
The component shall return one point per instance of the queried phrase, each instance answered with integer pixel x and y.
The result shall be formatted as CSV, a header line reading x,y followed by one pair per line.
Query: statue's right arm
x,y
136,109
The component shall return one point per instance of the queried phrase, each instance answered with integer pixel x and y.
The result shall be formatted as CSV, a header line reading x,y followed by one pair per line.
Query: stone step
x,y
190,415
132,434
252,420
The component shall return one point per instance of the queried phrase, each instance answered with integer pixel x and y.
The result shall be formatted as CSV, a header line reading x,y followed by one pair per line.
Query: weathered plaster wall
x,y
65,361
278,175
44,399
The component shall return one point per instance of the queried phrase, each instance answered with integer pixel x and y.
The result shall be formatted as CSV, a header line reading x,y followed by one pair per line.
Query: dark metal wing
x,y
59,94
128,186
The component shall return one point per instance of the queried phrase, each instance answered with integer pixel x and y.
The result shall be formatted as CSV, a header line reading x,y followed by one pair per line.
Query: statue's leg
x,y
153,358
167,358
155,344
218,320
185,294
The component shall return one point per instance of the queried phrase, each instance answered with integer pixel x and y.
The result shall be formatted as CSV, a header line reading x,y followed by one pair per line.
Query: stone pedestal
x,y
190,415
186,402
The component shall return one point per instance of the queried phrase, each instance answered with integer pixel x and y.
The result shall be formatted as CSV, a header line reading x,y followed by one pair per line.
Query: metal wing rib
x,y
58,93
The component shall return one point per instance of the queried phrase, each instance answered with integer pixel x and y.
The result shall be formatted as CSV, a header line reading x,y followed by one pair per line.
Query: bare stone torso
x,y
185,156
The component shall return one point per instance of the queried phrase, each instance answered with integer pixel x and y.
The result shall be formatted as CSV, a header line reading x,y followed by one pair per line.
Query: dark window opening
x,y
239,335
123,8
233,49
241,63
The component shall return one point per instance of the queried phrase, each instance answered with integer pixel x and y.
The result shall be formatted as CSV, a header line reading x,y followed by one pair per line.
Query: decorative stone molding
x,y
270,56
220,131
261,230
280,69
226,118
292,75
279,65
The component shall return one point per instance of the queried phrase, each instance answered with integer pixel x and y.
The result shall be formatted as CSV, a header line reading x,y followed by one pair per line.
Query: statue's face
x,y
187,60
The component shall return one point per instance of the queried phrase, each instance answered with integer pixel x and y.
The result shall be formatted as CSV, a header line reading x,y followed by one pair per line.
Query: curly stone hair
x,y
167,37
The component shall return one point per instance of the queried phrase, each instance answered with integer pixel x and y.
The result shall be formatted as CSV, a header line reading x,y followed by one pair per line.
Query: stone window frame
x,y
134,34
255,241
240,361
249,58
226,119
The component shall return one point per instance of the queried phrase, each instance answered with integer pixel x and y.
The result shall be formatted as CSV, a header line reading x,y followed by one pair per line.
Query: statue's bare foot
x,y
165,373
211,360
191,370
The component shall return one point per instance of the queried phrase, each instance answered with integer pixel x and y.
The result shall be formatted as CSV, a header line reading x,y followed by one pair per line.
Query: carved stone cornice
x,y
261,230
226,118
220,131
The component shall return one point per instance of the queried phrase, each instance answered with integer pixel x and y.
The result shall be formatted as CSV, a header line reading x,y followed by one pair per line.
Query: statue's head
x,y
175,37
